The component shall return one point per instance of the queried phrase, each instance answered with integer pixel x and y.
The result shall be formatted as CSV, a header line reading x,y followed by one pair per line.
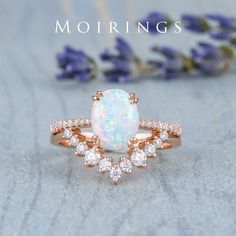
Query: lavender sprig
x,y
170,65
75,64
125,65
205,59
195,23
217,26
211,60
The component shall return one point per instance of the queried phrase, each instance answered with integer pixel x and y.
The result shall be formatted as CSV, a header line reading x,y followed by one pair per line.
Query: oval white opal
x,y
114,119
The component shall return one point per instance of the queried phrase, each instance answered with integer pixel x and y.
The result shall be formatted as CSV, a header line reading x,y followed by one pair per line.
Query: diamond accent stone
x,y
105,164
74,141
150,150
67,134
92,157
81,148
115,173
164,135
139,158
158,142
126,165
70,123
65,124
58,126
171,127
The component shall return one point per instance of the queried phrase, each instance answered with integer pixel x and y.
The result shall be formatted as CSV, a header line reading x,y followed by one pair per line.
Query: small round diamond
x,y
150,150
74,141
125,165
115,173
92,157
67,134
163,135
81,148
157,142
138,158
105,164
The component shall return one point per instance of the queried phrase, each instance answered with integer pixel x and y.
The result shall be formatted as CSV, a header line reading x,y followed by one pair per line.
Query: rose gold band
x,y
153,129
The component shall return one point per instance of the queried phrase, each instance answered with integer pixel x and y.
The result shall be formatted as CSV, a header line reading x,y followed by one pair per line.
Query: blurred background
x,y
46,191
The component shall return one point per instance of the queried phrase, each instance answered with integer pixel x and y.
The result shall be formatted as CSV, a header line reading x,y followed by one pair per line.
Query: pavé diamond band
x,y
63,130
115,126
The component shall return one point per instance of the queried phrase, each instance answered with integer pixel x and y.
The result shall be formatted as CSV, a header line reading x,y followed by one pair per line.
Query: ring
x,y
115,127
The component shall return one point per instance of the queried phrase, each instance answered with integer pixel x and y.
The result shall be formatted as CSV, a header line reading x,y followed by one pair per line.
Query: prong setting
x,y
95,140
125,165
132,142
74,140
150,149
81,148
115,173
97,96
105,164
87,164
132,98
92,157
138,158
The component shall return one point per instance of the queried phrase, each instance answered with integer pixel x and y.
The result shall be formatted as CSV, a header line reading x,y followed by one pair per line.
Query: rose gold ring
x,y
115,126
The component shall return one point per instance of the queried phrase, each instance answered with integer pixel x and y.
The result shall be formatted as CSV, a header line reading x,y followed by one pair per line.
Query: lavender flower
x,y
224,22
172,64
195,23
125,64
75,64
211,60
220,35
153,19
206,59
226,26
218,27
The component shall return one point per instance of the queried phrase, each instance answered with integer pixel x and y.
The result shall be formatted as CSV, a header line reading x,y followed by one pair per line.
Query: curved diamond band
x,y
58,128
115,126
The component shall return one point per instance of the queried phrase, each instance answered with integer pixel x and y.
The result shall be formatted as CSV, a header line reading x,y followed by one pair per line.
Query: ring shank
x,y
58,140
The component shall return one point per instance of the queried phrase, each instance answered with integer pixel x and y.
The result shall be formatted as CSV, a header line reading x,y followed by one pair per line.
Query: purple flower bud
x,y
118,76
171,66
106,55
153,19
83,76
222,35
224,22
195,23
209,59
124,48
166,51
204,50
75,64
156,63
124,63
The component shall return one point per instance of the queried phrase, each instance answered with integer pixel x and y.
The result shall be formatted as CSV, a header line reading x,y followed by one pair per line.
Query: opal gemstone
x,y
114,119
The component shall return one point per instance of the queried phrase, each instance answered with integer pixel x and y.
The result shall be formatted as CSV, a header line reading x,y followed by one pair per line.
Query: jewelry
x,y
115,124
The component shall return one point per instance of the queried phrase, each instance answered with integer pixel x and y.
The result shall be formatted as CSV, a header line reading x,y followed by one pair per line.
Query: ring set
x,y
115,127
